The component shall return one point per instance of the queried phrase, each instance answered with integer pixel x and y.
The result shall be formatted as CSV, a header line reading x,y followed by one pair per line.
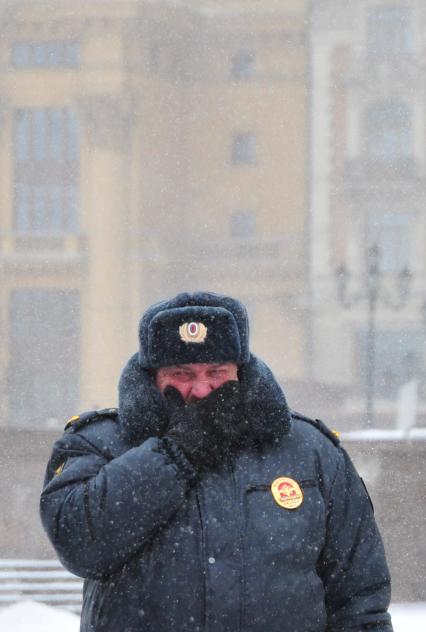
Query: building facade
x,y
156,146
367,208
147,148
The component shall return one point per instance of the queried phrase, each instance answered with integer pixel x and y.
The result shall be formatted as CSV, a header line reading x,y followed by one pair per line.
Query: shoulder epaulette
x,y
333,435
77,421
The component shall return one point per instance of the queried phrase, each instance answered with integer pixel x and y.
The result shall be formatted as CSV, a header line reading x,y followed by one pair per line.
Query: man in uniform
x,y
203,503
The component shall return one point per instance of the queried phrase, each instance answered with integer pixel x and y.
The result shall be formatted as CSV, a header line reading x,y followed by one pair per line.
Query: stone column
x,y
6,244
107,122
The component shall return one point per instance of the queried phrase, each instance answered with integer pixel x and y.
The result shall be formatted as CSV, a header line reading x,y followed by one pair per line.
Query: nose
x,y
200,389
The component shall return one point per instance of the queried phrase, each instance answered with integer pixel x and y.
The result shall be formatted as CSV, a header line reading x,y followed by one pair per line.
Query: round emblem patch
x,y
287,493
193,332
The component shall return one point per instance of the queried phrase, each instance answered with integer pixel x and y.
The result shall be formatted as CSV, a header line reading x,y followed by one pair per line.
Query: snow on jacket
x,y
163,550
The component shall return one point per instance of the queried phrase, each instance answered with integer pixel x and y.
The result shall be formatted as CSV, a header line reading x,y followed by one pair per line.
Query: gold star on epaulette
x,y
72,419
59,469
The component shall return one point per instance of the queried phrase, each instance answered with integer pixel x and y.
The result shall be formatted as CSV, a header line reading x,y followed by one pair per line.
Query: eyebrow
x,y
186,367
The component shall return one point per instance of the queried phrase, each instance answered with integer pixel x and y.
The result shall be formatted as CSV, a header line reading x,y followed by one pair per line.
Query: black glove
x,y
210,431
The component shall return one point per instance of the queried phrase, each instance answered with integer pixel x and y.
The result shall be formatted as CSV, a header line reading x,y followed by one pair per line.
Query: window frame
x,y
243,148
46,170
46,54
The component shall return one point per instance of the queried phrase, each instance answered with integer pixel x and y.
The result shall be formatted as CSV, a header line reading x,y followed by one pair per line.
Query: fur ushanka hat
x,y
202,327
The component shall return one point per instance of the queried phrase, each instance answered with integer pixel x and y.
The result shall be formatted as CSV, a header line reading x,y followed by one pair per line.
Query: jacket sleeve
x,y
353,564
98,513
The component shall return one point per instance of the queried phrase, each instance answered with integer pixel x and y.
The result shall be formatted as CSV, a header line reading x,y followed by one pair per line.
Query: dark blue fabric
x,y
227,325
163,550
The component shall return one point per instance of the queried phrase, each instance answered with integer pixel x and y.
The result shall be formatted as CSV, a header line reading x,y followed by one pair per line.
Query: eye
x,y
182,376
217,372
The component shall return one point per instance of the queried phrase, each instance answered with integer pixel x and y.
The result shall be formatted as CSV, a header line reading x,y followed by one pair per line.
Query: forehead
x,y
198,367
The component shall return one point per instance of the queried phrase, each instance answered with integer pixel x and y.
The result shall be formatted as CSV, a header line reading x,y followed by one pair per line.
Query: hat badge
x,y
193,332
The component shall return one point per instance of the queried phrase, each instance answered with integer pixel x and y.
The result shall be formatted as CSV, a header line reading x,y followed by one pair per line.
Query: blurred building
x,y
368,189
146,148
155,146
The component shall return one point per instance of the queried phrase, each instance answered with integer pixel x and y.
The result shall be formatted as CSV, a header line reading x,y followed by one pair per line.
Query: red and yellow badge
x,y
287,492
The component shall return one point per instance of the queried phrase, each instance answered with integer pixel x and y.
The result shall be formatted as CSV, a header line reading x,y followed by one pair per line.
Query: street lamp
x,y
423,312
372,293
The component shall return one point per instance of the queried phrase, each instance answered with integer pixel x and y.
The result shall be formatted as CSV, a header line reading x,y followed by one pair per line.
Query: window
x,y
154,57
388,132
243,224
243,65
398,359
46,170
389,31
43,376
391,232
48,54
243,148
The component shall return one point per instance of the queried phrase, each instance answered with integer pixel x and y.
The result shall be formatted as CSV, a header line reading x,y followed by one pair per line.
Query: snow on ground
x,y
28,616
409,617
379,434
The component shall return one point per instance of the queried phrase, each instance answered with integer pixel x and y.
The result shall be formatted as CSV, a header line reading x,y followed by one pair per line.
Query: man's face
x,y
195,381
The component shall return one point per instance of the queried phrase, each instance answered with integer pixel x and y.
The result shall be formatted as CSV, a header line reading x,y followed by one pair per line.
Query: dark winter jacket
x,y
164,550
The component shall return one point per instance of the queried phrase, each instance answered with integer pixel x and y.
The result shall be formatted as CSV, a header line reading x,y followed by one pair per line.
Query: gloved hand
x,y
210,431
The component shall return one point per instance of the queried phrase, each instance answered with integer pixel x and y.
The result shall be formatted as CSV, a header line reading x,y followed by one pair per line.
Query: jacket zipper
x,y
203,561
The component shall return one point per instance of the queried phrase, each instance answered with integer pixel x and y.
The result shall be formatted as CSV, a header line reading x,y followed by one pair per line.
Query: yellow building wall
x,y
157,109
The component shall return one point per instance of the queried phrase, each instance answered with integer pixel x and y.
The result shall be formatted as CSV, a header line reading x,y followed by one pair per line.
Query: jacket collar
x,y
143,413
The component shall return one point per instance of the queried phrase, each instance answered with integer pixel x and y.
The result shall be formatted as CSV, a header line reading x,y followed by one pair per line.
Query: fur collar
x,y
143,412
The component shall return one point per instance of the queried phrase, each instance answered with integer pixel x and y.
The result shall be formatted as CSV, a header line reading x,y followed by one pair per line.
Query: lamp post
x,y
423,312
372,293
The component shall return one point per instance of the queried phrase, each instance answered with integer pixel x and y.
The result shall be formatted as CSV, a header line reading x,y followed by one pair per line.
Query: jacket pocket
x,y
279,530
263,513
266,487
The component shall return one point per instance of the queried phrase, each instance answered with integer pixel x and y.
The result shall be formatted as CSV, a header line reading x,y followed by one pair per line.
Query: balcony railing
x,y
367,168
16,245
378,73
